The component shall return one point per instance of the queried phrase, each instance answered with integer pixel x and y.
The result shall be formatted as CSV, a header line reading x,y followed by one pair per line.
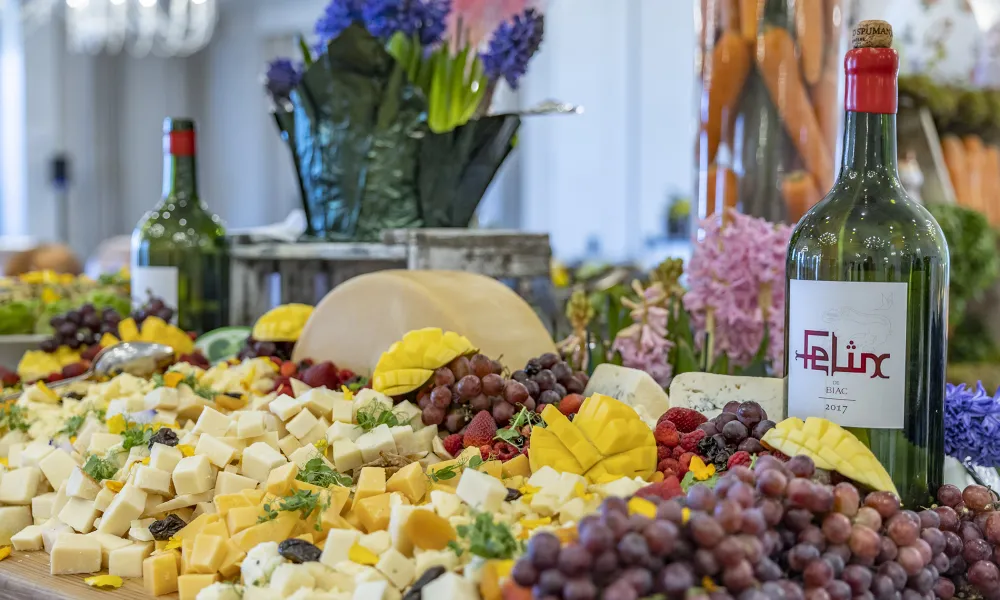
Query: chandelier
x,y
161,27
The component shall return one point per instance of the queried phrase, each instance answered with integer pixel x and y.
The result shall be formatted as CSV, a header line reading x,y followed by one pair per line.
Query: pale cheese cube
x,y
289,444
28,539
342,411
288,578
193,475
139,530
250,424
127,505
41,505
572,511
270,438
80,485
409,415
164,457
75,554
13,437
150,480
103,499
14,455
371,590
445,504
317,432
402,436
376,441
365,396
285,407
450,585
162,398
567,486
12,520
320,401
544,477
109,543
102,442
433,558
56,466
343,430
377,541
338,544
212,422
79,514
397,568
34,452
259,459
299,387
127,561
230,483
301,424
306,453
51,530
60,500
179,503
20,485
346,456
481,491
216,451
424,437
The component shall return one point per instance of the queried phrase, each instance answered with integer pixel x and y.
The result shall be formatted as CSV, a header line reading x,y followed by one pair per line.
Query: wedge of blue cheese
x,y
708,393
632,386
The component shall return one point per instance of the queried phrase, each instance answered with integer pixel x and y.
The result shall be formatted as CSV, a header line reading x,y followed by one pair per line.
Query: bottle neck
x,y
869,143
180,171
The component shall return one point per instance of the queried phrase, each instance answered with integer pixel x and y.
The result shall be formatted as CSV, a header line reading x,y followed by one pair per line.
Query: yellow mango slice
x,y
411,361
283,323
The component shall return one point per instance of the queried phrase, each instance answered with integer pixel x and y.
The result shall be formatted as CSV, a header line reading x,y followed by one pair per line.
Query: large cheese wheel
x,y
359,319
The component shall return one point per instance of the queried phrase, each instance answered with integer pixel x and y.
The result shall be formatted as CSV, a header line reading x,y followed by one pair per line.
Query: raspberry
x,y
689,441
486,452
739,458
669,464
453,444
481,430
686,419
662,452
666,434
684,463
677,452
780,455
504,450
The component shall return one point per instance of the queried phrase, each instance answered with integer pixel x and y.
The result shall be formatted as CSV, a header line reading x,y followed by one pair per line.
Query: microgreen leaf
x,y
316,472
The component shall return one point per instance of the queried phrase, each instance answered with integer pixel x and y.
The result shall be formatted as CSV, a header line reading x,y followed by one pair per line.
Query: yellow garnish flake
x,y
362,555
49,295
172,544
533,523
527,491
700,470
172,379
104,581
145,461
348,394
321,445
45,390
117,424
4,462
72,439
114,486
641,506
708,584
4,552
186,449
503,567
685,515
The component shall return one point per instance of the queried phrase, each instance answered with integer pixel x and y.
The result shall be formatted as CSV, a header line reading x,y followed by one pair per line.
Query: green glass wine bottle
x,y
179,250
867,291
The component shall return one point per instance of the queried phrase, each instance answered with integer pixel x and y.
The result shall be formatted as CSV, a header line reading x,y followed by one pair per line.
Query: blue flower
x,y
972,424
513,44
428,19
282,77
338,16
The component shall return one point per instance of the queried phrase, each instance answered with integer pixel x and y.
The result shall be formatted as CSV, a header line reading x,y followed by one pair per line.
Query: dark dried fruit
x,y
715,450
165,436
166,528
73,395
299,551
429,575
513,494
236,395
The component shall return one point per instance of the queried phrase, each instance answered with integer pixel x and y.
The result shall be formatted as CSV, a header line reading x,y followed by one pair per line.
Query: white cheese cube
x,y
20,485
79,514
273,423
178,504
216,451
41,506
162,398
109,543
13,437
12,520
127,561
60,500
57,466
101,442
34,452
288,578
235,443
377,541
80,485
75,554
299,387
397,568
346,456
28,539
289,444
164,457
189,439
481,491
151,507
51,530
14,455
194,475
445,504
376,441
301,424
338,544
317,432
259,459
423,438
409,415
402,436
366,396
250,424
433,558
567,486
212,422
127,505
150,480
230,483
371,590
544,477
270,438
320,401
572,511
90,427
138,530
342,411
103,499
285,407
450,585
343,430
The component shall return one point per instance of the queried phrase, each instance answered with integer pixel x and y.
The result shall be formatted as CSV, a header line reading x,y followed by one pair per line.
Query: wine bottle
x,y
867,291
179,250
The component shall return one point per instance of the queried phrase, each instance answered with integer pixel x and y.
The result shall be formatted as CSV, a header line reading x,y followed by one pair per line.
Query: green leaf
x,y
374,414
460,89
721,366
99,468
758,366
307,57
487,538
686,360
316,472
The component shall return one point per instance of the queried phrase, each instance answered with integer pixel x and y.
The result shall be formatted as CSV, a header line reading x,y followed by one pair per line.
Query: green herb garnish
x,y
318,473
73,425
512,433
303,501
189,380
14,418
136,435
374,414
451,471
486,538
358,383
99,468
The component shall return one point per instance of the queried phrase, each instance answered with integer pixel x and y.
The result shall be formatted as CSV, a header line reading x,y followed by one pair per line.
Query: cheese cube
x,y
250,424
545,477
159,573
207,555
212,422
338,544
299,387
320,401
424,437
28,539
14,454
218,452
203,508
271,438
306,453
366,396
230,483
127,560
450,585
371,590
445,504
397,568
51,530
317,433
343,430
371,482
150,480
34,452
259,459
285,407
108,544
402,436
289,444
286,579
41,505
139,530
239,518
481,491
279,481
190,584
101,442
80,485
409,481
103,499
378,541
409,415
433,558
12,520
193,475
20,485
164,457
75,554
567,486
373,512
301,424
127,505
79,514
376,441
162,398
342,411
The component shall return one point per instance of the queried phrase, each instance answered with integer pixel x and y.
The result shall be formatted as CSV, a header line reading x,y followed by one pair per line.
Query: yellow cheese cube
x,y
188,586
159,573
517,466
217,528
276,530
241,518
208,553
409,481
373,512
226,502
254,496
195,527
493,468
280,480
306,537
338,499
445,486
187,547
230,566
304,487
371,482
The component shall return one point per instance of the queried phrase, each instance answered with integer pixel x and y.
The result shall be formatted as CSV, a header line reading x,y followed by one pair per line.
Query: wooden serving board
x,y
25,576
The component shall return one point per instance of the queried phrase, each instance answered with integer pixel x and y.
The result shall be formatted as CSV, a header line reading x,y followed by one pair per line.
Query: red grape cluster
x,y
154,307
81,327
465,386
739,427
767,533
971,526
254,349
549,379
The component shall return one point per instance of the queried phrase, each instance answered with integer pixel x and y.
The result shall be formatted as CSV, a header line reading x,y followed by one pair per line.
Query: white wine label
x,y
847,352
160,282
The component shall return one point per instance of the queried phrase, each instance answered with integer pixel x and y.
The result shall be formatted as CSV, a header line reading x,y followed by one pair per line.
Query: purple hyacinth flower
x,y
972,424
512,46
338,16
427,19
282,77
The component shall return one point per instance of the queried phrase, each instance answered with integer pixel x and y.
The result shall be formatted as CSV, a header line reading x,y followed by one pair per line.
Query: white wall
x,y
604,174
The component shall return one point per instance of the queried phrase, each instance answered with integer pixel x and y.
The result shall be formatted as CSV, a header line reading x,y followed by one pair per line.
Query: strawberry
x,y
666,434
689,441
287,369
686,419
684,463
662,452
481,430
453,444
570,404
741,457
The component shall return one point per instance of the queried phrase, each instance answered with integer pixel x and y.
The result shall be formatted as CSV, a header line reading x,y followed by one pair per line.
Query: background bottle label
x,y
161,282
847,352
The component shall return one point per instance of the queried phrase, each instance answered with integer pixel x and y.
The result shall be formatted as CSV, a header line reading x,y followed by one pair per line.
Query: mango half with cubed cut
x,y
282,323
605,441
154,329
411,361
831,447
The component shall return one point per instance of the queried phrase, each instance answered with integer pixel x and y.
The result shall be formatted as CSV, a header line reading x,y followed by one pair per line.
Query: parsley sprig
x,y
303,501
99,468
318,473
512,433
486,538
136,434
451,471
75,423
14,418
374,414
190,380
